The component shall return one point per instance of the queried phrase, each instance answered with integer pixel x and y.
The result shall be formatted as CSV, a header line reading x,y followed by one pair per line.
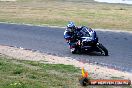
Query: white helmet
x,y
71,26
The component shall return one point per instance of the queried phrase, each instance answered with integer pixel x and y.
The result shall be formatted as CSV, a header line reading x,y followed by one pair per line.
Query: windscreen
x,y
85,32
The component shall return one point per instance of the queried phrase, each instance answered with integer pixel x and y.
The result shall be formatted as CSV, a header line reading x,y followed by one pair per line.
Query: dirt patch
x,y
95,71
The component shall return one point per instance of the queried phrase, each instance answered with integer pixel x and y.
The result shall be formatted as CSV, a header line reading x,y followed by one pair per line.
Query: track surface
x,y
50,40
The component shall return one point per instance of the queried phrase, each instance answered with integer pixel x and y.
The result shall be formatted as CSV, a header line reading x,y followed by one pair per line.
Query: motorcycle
x,y
87,41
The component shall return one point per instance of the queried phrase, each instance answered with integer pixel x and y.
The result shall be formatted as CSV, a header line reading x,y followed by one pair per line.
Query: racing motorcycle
x,y
87,41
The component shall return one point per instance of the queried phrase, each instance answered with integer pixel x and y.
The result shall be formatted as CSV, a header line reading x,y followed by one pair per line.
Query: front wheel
x,y
76,50
102,49
73,50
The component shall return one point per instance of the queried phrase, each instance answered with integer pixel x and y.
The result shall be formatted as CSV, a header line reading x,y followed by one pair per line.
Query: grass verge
x,y
59,12
30,74
34,74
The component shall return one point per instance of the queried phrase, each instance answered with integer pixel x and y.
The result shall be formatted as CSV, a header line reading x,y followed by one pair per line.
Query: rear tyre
x,y
103,50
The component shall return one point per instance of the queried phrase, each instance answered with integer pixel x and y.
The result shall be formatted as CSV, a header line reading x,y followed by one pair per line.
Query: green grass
x,y
30,74
59,12
34,74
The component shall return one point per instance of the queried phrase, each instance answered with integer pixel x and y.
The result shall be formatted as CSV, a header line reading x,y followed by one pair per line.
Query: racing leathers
x,y
71,38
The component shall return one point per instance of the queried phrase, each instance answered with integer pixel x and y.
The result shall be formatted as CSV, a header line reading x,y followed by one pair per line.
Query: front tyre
x,y
102,49
73,50
76,50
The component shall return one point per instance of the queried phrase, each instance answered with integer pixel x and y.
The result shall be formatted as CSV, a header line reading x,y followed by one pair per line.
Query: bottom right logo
x,y
85,80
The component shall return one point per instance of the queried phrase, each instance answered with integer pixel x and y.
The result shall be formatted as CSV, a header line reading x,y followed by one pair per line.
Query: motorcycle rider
x,y
69,35
79,37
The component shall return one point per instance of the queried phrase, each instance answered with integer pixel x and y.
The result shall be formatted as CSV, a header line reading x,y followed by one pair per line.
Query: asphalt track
x,y
50,40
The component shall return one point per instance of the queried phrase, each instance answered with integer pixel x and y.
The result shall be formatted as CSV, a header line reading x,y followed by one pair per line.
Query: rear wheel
x,y
103,50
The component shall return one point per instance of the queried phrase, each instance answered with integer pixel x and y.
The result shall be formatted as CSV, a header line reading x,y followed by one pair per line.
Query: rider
x,y
69,33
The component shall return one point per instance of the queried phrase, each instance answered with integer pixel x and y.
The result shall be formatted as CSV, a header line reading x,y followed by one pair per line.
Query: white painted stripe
x,y
116,1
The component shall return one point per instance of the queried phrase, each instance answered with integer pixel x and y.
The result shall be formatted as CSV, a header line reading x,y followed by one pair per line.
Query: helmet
x,y
71,26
